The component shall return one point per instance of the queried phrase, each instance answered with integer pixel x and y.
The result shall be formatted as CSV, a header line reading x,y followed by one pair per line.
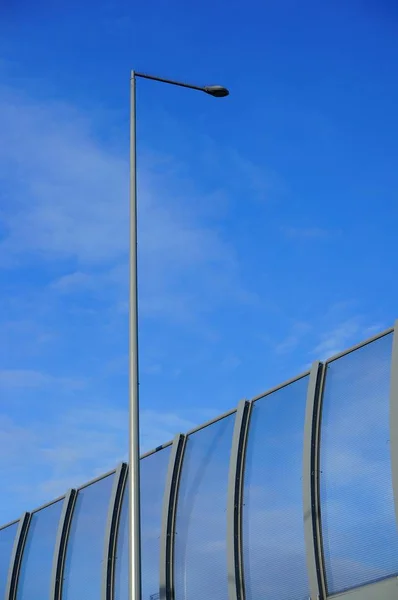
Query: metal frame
x,y
16,556
157,449
9,524
60,545
374,338
212,421
394,418
236,583
280,386
311,500
166,566
115,506
47,504
96,479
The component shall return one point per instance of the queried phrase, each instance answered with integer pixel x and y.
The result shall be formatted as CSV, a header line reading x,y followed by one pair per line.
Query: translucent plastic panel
x,y
37,559
85,549
153,479
357,509
201,525
274,555
7,537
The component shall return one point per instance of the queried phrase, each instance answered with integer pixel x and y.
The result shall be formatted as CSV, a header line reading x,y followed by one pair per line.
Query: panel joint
x,y
60,545
236,587
394,418
166,566
115,507
16,556
311,476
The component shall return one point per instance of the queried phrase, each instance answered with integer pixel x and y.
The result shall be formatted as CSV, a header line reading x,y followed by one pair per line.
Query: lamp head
x,y
218,91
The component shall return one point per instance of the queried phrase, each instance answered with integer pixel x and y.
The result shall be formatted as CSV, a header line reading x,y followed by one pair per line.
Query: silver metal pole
x,y
134,427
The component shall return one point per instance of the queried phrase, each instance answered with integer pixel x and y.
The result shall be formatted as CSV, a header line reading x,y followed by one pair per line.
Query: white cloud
x,y
338,331
73,190
72,281
231,362
297,333
68,202
337,338
28,378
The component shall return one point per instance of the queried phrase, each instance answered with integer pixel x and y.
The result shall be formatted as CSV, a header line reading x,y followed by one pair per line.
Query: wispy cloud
x,y
336,339
231,362
73,281
68,202
344,334
339,327
297,332
28,378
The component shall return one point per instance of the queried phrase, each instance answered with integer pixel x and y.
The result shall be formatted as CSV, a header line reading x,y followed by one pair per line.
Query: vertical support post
x,y
60,545
134,425
166,566
311,502
16,556
236,586
115,505
394,418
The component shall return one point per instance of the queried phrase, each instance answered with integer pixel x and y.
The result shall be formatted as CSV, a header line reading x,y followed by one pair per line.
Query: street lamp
x,y
134,428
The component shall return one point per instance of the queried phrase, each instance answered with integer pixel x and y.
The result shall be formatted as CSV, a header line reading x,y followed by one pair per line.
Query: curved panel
x,y
153,473
200,555
35,572
7,538
360,538
274,555
85,548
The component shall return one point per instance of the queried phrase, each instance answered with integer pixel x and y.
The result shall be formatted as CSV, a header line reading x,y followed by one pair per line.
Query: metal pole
x,y
134,427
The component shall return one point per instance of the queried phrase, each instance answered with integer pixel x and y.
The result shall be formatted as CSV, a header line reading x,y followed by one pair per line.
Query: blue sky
x,y
267,219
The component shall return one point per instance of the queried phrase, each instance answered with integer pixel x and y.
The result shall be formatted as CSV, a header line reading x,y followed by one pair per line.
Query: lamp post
x,y
134,429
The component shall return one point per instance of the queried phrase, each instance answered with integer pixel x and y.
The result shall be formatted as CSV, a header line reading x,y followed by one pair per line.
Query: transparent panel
x,y
153,480
85,549
7,537
37,560
274,556
201,523
360,540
